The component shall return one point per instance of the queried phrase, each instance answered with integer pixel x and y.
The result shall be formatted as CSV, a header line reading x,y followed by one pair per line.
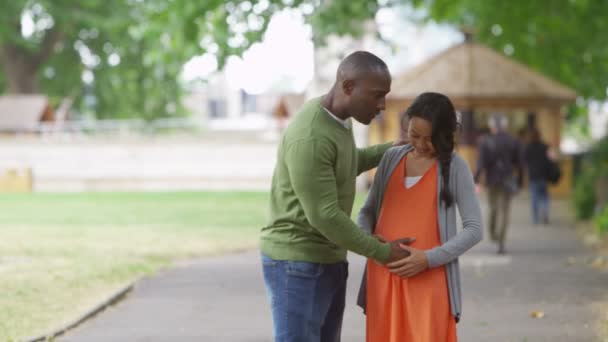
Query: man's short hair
x,y
359,63
498,122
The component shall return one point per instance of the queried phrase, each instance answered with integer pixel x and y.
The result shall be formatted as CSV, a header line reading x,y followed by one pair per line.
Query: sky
x,y
285,56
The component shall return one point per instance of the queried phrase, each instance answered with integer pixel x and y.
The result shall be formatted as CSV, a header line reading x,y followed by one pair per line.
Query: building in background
x,y
21,114
481,82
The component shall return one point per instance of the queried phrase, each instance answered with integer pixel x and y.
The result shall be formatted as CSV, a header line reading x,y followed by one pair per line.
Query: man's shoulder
x,y
537,148
499,140
507,137
304,123
309,109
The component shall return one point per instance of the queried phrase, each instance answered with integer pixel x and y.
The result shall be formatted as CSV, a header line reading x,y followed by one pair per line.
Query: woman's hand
x,y
410,266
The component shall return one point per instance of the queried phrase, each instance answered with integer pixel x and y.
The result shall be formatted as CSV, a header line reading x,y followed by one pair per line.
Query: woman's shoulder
x,y
397,151
458,161
459,166
393,155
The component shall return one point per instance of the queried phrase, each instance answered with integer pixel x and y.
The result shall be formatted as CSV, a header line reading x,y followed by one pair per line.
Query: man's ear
x,y
348,86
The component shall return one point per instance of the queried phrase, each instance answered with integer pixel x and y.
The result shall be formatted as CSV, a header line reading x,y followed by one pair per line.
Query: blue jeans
x,y
307,299
540,201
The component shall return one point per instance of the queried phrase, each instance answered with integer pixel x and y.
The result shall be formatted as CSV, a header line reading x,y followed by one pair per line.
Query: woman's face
x,y
420,132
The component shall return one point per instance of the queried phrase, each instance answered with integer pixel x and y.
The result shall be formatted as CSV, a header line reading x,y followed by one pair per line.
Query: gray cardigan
x,y
453,243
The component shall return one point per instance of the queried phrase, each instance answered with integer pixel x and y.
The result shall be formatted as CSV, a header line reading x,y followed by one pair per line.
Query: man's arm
x,y
369,157
519,163
481,160
311,171
367,214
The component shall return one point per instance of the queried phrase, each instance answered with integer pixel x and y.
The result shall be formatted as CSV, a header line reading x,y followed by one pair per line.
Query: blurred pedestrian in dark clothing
x,y
536,157
500,161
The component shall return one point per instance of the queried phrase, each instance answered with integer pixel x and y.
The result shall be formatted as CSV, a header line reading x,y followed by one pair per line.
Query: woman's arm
x,y
470,212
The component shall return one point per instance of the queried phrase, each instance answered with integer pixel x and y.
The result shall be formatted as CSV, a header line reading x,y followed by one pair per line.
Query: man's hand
x,y
552,154
477,188
415,263
397,252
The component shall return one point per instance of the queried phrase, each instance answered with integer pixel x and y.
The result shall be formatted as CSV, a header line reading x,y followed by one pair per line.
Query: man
x,y
313,189
499,158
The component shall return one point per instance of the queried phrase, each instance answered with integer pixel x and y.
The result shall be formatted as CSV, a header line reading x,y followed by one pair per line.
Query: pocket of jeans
x,y
304,269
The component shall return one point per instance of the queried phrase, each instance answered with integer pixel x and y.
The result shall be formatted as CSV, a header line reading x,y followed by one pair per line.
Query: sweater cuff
x,y
384,252
384,147
432,257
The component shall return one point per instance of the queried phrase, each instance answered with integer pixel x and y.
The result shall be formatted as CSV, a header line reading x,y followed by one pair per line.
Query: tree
x,y
122,58
559,38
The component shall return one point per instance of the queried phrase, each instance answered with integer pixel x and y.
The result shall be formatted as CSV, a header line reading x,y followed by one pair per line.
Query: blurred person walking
x,y
500,162
541,170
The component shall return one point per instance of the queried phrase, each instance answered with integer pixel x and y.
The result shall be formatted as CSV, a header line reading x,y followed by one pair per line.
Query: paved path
x,y
223,299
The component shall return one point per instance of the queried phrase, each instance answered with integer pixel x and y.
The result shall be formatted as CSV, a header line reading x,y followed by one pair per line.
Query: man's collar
x,y
345,122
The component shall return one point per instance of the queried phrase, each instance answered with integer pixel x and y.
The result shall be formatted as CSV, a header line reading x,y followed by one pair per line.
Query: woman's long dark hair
x,y
439,111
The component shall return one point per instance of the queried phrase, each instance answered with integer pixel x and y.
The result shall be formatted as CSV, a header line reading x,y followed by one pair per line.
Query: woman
x,y
414,194
536,157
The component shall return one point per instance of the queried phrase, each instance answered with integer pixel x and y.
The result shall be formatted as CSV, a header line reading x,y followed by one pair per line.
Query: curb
x,y
112,299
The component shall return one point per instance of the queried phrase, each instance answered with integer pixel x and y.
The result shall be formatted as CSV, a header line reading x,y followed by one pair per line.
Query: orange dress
x,y
415,309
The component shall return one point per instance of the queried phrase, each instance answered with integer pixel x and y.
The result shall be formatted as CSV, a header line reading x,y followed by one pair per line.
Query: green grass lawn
x,y
62,253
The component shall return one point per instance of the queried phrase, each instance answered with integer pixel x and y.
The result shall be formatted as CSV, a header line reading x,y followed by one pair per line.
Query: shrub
x,y
583,197
601,221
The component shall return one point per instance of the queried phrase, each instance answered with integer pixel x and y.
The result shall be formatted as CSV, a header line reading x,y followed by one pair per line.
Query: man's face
x,y
367,95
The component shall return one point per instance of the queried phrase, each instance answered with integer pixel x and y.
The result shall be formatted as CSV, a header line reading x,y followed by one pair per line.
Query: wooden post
x,y
467,146
468,132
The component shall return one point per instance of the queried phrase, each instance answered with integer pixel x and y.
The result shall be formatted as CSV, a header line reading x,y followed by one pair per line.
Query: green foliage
x,y
601,221
557,38
587,185
341,18
154,38
583,198
131,51
599,157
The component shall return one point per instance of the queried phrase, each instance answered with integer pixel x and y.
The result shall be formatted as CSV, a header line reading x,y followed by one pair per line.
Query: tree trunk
x,y
21,67
21,73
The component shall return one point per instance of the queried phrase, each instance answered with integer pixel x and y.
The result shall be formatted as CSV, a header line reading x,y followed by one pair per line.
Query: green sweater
x,y
313,190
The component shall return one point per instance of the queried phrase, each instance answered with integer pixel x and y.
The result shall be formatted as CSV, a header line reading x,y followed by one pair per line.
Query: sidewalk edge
x,y
112,299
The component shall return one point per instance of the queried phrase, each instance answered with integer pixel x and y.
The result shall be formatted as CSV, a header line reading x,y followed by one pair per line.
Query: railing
x,y
125,127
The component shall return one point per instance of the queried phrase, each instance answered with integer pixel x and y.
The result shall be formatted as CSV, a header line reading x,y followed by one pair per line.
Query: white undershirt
x,y
411,181
345,123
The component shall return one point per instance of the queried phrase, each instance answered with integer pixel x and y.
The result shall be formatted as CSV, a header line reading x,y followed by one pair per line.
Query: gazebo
x,y
23,113
480,82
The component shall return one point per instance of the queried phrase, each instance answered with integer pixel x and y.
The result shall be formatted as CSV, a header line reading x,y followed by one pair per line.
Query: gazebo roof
x,y
473,75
